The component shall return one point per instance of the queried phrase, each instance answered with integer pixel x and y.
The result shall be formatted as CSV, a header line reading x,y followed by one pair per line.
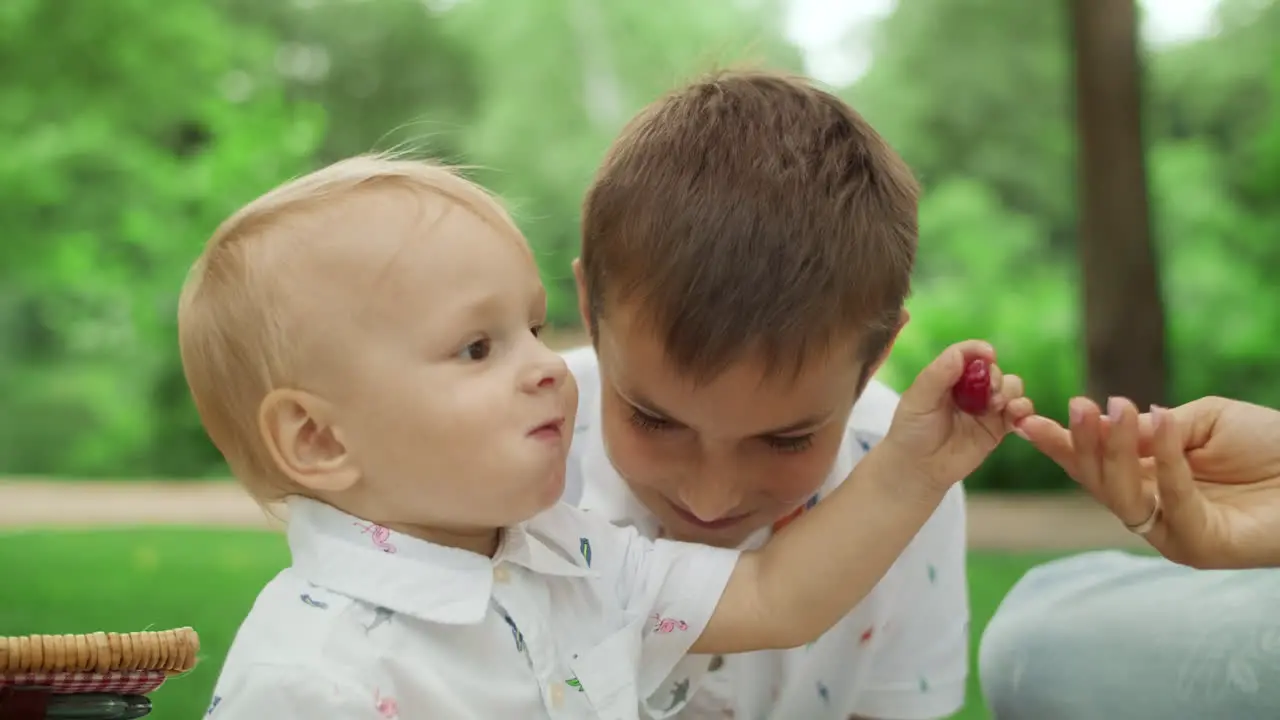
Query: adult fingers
x,y
1122,478
1051,439
1184,509
1086,444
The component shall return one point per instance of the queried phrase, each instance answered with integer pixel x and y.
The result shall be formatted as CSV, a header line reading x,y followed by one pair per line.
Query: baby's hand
x,y
933,430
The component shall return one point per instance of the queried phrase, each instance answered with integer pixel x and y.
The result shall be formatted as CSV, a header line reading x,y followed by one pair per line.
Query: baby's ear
x,y
305,445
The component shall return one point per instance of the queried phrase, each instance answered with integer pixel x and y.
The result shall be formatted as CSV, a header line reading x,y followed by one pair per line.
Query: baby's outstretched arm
x,y
817,569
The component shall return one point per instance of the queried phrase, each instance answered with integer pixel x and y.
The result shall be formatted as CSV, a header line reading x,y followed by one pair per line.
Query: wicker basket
x,y
129,663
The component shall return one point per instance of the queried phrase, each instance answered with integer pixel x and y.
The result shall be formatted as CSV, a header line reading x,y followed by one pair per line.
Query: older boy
x,y
747,247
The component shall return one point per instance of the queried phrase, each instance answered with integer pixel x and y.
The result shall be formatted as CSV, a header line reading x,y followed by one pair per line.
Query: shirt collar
x,y
410,576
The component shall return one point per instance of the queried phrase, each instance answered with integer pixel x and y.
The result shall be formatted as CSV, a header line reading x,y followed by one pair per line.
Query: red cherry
x,y
972,392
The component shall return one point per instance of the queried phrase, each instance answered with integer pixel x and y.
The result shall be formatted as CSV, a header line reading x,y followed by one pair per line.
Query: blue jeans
x,y
1114,636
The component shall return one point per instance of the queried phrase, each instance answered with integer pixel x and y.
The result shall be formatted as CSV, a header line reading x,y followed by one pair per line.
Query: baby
x,y
362,343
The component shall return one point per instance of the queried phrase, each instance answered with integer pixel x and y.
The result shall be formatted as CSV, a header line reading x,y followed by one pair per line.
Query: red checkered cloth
x,y
125,682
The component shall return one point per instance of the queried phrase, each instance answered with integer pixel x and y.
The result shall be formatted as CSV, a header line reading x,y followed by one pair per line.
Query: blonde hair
x,y
235,348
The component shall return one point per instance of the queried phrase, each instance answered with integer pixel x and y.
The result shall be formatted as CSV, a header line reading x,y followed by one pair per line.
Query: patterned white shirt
x,y
903,653
571,618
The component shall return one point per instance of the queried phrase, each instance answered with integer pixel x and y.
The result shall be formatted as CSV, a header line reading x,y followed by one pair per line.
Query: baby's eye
x,y
477,350
536,329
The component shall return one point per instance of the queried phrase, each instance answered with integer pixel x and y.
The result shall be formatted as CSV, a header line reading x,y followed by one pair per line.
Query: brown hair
x,y
751,212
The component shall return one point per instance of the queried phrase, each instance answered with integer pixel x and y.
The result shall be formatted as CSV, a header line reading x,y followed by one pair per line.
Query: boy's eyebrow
x,y
808,423
647,407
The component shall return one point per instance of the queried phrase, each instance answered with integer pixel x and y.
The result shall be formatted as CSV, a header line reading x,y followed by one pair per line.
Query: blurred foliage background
x,y
129,129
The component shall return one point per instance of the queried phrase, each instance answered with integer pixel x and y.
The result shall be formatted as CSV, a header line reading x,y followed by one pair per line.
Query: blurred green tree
x,y
1124,324
976,94
132,128
126,136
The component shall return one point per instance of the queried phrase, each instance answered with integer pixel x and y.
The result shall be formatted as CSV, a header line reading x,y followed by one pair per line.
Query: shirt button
x,y
501,574
557,696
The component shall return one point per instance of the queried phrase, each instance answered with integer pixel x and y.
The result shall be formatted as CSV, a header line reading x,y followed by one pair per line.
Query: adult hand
x,y
1214,465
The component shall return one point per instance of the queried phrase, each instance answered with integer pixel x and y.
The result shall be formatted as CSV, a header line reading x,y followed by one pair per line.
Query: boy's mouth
x,y
717,524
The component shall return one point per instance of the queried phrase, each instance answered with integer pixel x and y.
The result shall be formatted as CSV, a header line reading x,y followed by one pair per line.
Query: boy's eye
x,y
645,421
536,329
477,350
789,444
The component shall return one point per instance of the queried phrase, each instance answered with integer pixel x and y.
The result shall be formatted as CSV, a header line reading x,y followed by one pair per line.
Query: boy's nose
x,y
709,498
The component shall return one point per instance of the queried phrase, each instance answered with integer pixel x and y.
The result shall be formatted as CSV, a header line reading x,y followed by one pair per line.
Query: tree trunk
x,y
1124,323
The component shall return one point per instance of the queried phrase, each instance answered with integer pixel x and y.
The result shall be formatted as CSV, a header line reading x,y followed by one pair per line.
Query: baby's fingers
x,y
932,388
1012,387
1017,410
996,403
1008,405
1003,388
997,378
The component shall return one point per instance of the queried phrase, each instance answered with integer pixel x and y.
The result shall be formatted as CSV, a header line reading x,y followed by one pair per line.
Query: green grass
x,y
135,579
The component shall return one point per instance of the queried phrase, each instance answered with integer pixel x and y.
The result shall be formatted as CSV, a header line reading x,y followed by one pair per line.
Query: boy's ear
x,y
306,446
871,371
583,304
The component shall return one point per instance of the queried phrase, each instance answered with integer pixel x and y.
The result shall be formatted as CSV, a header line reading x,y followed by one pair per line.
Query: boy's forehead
x,y
750,393
645,341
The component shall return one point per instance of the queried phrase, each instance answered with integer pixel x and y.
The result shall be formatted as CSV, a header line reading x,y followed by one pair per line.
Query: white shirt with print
x,y
571,618
901,654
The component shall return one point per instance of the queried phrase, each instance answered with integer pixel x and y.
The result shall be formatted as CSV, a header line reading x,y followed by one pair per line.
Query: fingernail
x,y
1157,416
1114,407
1075,412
